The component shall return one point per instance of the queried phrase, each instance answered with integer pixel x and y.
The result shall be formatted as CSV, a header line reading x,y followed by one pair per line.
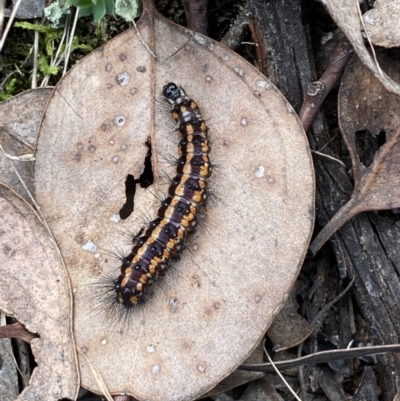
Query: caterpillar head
x,y
173,93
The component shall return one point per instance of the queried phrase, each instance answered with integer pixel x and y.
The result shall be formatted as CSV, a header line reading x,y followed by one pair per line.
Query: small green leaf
x,y
35,27
76,45
110,7
81,3
45,68
127,9
99,11
8,91
84,11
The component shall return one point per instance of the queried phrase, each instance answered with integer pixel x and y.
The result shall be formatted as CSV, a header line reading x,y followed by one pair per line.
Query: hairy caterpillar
x,y
164,236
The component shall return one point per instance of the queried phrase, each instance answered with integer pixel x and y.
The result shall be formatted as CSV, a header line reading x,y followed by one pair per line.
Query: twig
x,y
329,305
35,59
9,23
233,38
326,158
322,357
56,60
317,91
196,15
2,7
71,38
378,67
280,375
24,158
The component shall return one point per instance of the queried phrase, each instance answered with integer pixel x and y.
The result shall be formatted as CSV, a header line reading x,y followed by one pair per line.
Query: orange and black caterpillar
x,y
163,239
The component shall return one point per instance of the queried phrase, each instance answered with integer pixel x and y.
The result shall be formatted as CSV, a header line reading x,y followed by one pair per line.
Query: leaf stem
x,y
345,213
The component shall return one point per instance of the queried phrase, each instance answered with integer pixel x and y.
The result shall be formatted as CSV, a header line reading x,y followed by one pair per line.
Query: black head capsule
x,y
172,92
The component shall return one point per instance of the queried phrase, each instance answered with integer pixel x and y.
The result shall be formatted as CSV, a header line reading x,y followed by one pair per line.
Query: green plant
x,y
8,91
99,8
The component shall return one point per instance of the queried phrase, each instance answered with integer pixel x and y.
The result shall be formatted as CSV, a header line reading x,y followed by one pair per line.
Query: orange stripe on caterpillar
x,y
164,237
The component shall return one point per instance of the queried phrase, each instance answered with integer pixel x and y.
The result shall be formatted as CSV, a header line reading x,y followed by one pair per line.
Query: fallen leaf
x,y
215,305
34,289
347,16
289,328
365,104
240,377
19,120
382,23
16,330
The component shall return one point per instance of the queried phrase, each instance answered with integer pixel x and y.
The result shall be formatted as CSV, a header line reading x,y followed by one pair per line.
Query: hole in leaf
x,y
367,144
147,177
381,138
145,180
130,190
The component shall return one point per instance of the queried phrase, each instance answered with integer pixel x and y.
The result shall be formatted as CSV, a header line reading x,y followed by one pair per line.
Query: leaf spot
x,y
156,369
201,368
173,305
201,40
119,121
263,84
260,172
115,218
151,349
90,246
239,71
123,78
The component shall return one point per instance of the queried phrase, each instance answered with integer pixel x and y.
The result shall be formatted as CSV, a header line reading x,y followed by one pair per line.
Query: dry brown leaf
x,y
34,288
289,328
382,23
16,330
365,104
19,119
347,17
212,309
240,377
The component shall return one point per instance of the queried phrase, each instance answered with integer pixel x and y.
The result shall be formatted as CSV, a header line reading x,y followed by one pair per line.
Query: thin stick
x,y
71,38
280,375
378,67
9,23
2,7
35,59
56,60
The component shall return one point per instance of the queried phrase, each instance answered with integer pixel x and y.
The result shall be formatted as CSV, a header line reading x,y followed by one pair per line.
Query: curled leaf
x,y
366,105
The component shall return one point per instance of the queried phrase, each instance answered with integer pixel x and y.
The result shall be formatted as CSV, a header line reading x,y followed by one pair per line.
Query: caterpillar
x,y
164,237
